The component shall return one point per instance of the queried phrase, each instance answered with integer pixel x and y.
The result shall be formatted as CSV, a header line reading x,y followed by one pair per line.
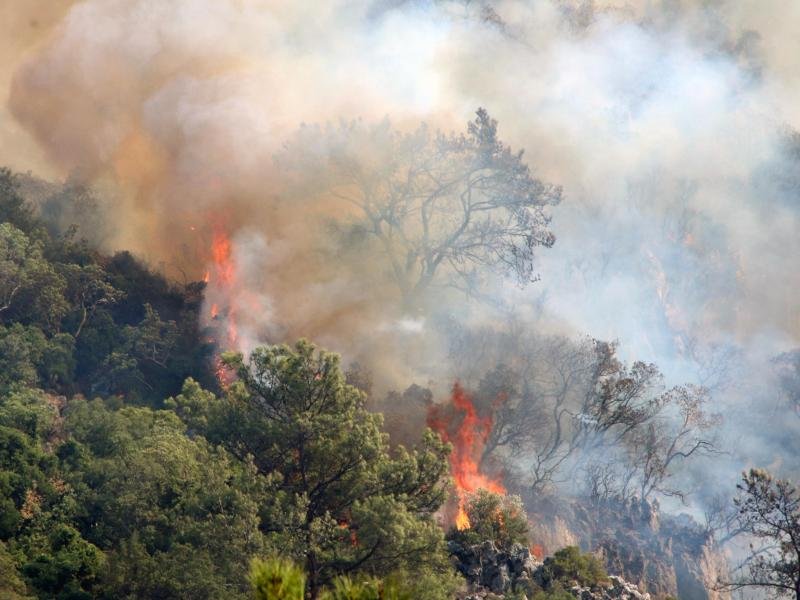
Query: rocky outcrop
x,y
618,589
488,569
494,574
662,554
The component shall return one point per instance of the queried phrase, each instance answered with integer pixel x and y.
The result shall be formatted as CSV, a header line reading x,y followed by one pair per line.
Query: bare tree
x,y
518,417
562,383
721,519
441,207
618,400
603,482
769,510
556,400
533,399
655,450
556,405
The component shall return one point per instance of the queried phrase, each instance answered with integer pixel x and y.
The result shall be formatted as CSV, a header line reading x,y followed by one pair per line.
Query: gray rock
x,y
501,582
489,569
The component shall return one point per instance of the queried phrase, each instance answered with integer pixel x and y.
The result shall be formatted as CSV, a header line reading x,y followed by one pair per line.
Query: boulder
x,y
489,569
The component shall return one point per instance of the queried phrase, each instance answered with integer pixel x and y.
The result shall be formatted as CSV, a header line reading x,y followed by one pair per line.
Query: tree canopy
x,y
769,510
441,208
343,503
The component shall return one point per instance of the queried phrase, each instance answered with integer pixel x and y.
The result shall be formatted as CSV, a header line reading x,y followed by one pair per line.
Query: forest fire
x,y
220,279
460,424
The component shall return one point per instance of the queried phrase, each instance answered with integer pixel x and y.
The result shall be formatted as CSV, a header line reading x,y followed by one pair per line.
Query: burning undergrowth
x,y
459,423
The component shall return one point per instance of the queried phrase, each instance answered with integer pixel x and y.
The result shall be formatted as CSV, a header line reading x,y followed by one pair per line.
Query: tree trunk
x,y
82,323
313,576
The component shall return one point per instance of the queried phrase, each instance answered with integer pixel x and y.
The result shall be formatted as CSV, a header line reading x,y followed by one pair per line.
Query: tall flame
x,y
221,312
223,279
467,431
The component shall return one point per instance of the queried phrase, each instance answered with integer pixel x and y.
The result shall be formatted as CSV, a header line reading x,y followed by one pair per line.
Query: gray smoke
x,y
669,125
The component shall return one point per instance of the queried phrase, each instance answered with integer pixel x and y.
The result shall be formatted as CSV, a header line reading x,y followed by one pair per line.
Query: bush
x,y
569,566
495,517
280,579
344,588
277,579
430,584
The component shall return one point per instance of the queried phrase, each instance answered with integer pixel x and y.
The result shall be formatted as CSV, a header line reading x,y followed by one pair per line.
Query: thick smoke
x,y
668,124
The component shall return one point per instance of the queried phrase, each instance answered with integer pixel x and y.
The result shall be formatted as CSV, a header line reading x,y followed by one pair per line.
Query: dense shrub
x,y
495,517
277,579
569,566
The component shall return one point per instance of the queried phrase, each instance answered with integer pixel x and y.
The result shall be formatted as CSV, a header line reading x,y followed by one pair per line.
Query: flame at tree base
x,y
460,424
462,520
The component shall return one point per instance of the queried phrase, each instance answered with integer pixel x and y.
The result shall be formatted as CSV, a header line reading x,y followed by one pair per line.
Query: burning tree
x,y
440,207
223,292
493,516
553,405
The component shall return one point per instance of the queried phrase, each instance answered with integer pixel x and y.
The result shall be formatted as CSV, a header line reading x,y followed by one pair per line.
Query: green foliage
x,y
344,588
277,579
497,517
88,290
21,350
66,566
184,572
190,506
197,407
425,583
397,585
31,412
26,469
29,358
566,568
12,584
117,501
31,290
72,320
105,495
556,592
569,566
343,502
281,579
13,208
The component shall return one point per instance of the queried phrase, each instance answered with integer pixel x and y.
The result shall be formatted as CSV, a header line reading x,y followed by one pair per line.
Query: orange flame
x,y
537,550
221,254
222,288
223,279
467,431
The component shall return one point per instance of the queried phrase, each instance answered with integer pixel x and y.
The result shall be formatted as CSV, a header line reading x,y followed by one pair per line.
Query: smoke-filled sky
x,y
668,123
